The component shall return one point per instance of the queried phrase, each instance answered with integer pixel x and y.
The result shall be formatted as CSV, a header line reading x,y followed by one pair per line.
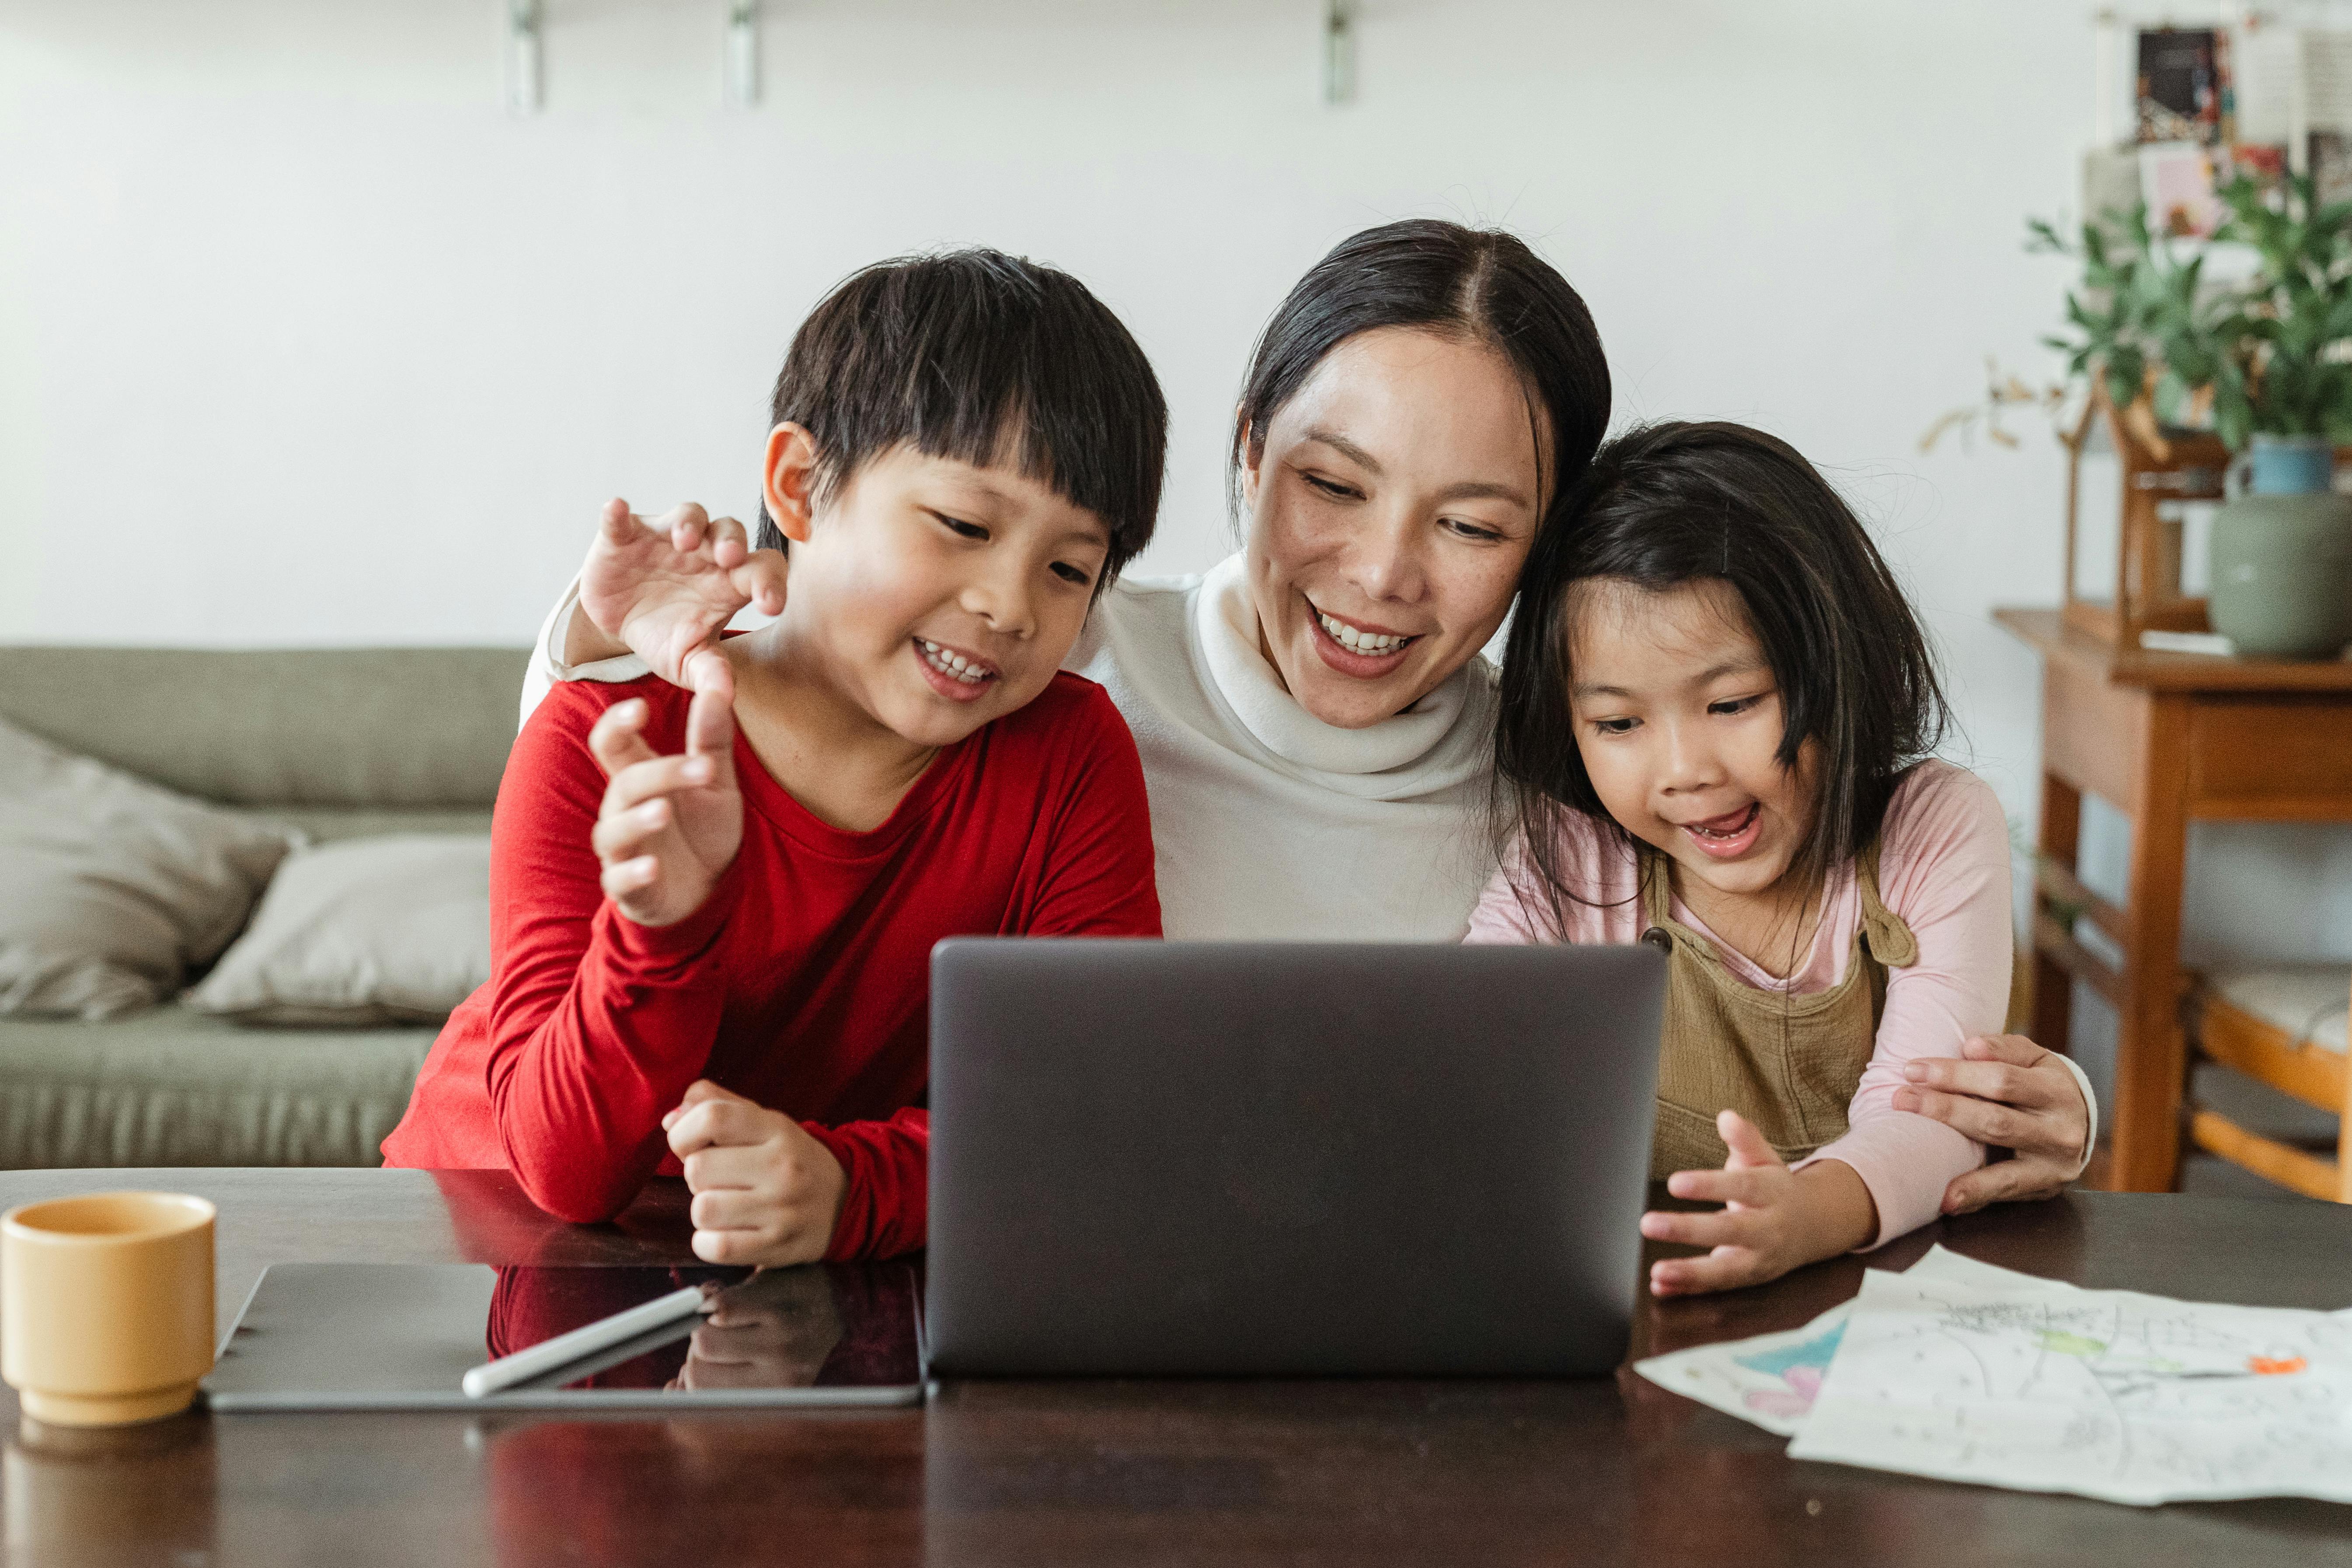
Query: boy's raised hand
x,y
1773,1219
765,1192
664,588
669,826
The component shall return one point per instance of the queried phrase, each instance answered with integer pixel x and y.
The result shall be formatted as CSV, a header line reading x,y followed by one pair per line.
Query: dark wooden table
x,y
2166,738
1127,1473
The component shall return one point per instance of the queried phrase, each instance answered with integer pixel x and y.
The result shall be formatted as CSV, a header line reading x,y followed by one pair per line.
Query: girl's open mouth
x,y
1730,835
959,677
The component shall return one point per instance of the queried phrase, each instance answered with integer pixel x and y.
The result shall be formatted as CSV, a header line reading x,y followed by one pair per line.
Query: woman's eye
x,y
1332,488
1475,532
960,528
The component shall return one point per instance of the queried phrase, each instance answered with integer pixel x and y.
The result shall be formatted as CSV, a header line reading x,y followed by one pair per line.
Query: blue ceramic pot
x,y
2290,465
2282,561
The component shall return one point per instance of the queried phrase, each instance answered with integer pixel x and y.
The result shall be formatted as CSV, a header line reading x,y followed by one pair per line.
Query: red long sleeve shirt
x,y
802,984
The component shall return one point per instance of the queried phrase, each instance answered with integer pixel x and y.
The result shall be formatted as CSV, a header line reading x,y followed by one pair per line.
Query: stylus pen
x,y
586,1340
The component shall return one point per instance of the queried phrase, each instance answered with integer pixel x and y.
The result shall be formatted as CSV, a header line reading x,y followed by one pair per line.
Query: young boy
x,y
712,913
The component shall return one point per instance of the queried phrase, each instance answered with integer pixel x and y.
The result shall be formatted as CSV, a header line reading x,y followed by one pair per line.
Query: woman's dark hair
x,y
1441,278
957,353
1675,503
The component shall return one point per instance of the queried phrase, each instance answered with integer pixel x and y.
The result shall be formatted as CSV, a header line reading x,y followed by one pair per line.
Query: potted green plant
x,y
2148,329
2285,373
2266,367
2281,578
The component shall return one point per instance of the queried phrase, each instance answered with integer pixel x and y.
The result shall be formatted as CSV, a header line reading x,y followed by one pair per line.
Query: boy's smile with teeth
x,y
968,671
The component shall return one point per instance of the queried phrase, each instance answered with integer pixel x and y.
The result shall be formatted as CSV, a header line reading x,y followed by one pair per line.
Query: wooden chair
x,y
2283,1026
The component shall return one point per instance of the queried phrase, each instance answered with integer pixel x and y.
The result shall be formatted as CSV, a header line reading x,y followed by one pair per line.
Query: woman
x,y
1313,714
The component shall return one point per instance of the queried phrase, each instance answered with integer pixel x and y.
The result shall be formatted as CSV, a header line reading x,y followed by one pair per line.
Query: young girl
x,y
1717,712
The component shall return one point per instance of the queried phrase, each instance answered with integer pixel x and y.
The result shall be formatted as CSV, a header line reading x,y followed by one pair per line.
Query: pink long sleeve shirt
x,y
1943,868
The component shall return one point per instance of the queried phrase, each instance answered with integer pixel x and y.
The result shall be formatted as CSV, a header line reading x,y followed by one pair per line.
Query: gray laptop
x,y
1286,1159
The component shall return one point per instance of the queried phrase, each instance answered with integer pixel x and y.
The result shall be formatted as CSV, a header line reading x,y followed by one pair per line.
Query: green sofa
x,y
342,743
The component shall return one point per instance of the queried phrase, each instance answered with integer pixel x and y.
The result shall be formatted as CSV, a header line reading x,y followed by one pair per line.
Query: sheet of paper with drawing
x,y
2106,1394
1773,1380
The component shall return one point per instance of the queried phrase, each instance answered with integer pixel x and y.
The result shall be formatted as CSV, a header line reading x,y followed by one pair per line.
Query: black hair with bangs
x,y
1675,503
977,356
1479,284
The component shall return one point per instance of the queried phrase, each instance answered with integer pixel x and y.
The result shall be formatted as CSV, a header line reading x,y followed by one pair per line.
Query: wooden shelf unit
x,y
2166,738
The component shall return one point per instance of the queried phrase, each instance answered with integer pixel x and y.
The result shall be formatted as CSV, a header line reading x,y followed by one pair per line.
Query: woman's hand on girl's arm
x,y
2012,1094
664,588
765,1191
669,826
1774,1219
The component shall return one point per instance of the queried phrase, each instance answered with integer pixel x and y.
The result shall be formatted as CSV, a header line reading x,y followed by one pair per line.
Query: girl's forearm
x,y
1836,1213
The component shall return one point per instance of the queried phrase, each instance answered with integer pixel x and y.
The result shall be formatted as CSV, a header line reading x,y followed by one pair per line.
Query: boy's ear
x,y
788,480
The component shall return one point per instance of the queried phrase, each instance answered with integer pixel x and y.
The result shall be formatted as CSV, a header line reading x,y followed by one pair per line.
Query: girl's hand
x,y
2010,1093
669,826
1773,1219
765,1192
664,589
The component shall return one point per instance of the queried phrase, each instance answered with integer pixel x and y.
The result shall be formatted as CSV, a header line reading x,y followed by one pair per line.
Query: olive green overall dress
x,y
1789,1064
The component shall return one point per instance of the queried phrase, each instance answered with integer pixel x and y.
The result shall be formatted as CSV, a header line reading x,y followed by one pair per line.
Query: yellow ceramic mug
x,y
106,1306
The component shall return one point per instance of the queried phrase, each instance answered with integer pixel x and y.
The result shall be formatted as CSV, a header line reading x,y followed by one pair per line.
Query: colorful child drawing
x,y
1800,1367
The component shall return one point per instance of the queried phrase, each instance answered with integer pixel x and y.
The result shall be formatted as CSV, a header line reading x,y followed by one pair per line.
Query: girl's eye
x,y
960,528
1734,706
1615,726
1076,575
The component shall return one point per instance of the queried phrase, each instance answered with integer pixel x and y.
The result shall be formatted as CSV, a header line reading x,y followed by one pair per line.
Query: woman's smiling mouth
x,y
1352,649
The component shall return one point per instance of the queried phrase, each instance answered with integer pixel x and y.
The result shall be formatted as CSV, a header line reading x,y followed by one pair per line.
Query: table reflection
x,y
771,1328
143,1492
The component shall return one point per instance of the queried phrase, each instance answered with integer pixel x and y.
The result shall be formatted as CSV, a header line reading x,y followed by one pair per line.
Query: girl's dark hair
x,y
954,353
1675,503
1456,281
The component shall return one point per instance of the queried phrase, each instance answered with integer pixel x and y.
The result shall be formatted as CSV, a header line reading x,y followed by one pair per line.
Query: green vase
x,y
2282,572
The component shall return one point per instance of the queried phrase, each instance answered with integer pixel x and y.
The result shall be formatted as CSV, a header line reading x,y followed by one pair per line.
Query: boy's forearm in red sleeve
x,y
597,1025
580,1094
886,1204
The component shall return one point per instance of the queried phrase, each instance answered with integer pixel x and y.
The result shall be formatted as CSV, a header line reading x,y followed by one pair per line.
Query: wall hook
x,y
742,53
1339,50
525,86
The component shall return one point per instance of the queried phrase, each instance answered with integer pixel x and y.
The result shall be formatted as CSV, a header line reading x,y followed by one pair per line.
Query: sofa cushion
x,y
333,825
116,887
364,931
368,728
171,1087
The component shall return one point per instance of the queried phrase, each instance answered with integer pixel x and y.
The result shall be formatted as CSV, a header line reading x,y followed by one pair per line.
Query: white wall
x,y
304,338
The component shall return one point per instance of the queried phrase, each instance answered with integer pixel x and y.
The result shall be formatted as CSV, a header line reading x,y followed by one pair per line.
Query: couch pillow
x,y
112,889
363,931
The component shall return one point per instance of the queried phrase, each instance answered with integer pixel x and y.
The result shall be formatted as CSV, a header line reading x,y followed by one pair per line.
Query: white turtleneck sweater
x,y
1268,822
